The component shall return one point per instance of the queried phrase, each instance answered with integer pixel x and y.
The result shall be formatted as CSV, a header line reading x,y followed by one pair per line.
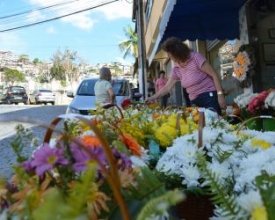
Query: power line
x,y
38,9
55,18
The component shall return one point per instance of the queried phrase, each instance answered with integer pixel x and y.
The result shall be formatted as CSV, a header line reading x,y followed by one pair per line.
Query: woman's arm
x,y
166,89
112,95
208,69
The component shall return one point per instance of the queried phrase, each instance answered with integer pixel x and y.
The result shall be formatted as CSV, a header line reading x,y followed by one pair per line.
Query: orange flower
x,y
155,116
131,143
90,141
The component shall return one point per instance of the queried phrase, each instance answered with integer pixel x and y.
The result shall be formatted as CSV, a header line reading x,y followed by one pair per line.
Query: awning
x,y
203,19
199,19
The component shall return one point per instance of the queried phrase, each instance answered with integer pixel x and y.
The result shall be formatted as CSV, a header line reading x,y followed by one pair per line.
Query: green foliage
x,y
57,72
22,138
150,198
220,196
11,75
71,207
171,181
223,155
36,61
159,205
130,45
149,184
266,185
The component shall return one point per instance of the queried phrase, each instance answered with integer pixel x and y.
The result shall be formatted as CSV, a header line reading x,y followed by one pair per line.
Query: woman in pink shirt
x,y
159,84
196,74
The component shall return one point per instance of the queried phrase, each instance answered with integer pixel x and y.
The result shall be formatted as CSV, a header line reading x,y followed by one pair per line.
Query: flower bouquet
x,y
243,66
99,167
79,174
223,168
257,109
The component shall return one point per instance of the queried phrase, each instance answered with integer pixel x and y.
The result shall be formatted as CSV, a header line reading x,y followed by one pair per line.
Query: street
x,y
8,113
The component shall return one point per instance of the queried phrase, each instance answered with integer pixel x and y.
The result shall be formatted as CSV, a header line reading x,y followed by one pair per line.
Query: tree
x,y
11,75
24,58
71,68
57,71
130,45
66,66
36,61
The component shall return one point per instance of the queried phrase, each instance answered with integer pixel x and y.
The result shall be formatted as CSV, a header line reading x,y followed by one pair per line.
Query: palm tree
x,y
130,45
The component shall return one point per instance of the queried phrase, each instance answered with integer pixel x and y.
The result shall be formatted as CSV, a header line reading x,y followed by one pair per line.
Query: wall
x,y
152,28
267,66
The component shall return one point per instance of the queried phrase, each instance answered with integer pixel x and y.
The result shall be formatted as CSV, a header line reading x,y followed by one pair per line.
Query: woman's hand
x,y
222,102
149,100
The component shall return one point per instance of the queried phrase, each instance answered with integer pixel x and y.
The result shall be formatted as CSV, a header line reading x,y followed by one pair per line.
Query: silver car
x,y
42,96
84,100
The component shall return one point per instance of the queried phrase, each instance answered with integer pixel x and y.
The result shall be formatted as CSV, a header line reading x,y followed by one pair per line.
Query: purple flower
x,y
124,159
83,156
27,166
45,158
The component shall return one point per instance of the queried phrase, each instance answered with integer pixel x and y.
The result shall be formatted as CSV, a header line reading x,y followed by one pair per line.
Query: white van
x,y
84,98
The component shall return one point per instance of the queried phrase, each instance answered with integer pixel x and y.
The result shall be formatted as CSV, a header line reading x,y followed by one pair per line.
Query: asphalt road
x,y
33,117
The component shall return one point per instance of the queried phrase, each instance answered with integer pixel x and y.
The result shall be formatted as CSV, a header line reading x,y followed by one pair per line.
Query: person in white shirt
x,y
104,91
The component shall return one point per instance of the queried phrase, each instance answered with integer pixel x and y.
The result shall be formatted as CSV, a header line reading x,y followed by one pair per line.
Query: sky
x,y
94,34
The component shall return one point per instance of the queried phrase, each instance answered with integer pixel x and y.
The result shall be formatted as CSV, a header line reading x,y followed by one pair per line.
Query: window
x,y
148,10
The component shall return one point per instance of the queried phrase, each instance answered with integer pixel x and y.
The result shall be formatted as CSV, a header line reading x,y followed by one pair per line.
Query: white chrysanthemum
x,y
180,154
252,166
248,201
137,162
269,168
210,116
270,100
243,99
221,170
191,175
210,135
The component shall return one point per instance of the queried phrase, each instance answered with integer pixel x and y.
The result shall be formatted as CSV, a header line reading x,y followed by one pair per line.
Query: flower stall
x,y
142,162
258,109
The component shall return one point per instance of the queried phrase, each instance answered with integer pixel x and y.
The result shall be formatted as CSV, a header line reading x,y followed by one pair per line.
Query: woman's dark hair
x,y
161,72
179,50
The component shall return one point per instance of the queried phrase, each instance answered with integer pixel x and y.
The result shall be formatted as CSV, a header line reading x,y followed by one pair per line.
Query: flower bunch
x,y
243,100
80,175
257,103
227,166
241,65
270,100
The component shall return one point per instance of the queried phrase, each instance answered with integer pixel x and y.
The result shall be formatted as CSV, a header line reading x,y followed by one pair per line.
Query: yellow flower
x,y
260,143
166,134
259,213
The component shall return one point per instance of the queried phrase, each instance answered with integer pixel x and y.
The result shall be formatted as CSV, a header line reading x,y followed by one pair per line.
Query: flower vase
x,y
194,207
269,124
255,124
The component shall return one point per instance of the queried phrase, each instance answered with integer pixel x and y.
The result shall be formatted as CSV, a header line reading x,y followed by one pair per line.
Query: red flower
x,y
257,103
126,103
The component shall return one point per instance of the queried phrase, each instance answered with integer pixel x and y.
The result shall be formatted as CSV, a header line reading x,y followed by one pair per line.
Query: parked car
x,y
15,94
42,96
1,96
84,100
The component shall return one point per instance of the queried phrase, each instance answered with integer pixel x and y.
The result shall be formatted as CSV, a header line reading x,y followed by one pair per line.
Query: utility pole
x,y
141,50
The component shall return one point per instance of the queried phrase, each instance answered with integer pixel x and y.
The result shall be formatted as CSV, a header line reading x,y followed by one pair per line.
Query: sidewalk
x,y
62,99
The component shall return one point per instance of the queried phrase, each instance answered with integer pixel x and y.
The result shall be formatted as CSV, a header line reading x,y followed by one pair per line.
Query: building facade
x,y
217,29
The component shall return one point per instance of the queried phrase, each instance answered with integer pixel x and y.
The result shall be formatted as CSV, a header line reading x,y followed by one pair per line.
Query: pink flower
x,y
45,158
257,103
